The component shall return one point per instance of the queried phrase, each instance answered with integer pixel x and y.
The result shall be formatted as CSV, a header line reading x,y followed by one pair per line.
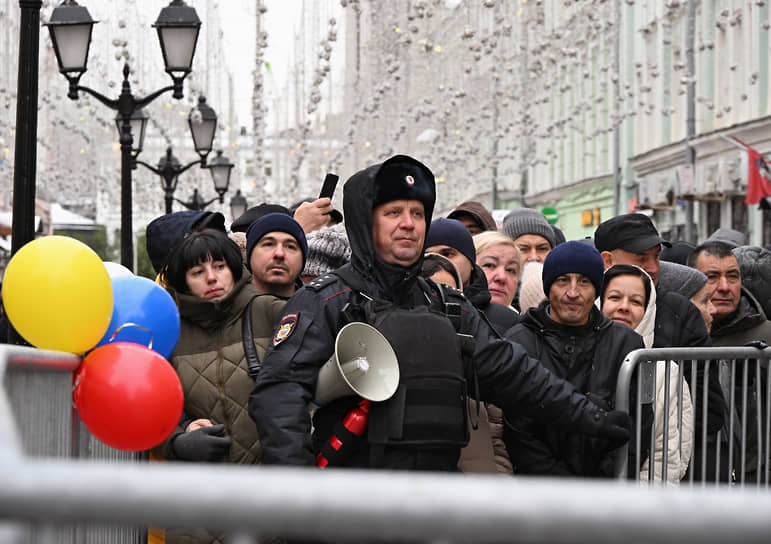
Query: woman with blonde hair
x,y
499,258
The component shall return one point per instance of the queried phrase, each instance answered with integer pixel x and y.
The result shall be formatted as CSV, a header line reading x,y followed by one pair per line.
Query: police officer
x,y
440,341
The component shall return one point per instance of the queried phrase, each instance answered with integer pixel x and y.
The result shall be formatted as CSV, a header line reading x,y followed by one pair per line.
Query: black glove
x,y
615,427
204,444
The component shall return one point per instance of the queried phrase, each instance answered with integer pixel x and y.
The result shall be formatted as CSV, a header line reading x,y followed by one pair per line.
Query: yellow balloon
x,y
58,294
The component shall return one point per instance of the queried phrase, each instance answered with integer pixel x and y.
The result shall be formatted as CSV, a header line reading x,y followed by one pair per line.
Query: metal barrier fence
x,y
738,452
38,419
60,500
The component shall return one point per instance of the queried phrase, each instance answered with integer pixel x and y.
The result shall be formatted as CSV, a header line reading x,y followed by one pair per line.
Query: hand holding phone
x,y
328,188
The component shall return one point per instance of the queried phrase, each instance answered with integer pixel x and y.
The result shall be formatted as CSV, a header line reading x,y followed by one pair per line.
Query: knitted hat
x,y
165,232
274,222
528,221
241,224
328,250
573,258
680,278
404,178
531,286
732,237
477,212
559,236
453,233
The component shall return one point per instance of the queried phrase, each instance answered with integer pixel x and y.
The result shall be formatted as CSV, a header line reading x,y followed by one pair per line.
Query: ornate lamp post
x,y
203,124
169,169
70,27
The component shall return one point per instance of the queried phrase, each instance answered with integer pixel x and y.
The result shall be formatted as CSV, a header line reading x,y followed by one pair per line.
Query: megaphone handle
x,y
345,434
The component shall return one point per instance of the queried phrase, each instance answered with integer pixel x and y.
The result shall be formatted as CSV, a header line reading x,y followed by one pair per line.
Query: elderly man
x,y
437,336
738,320
275,254
572,338
738,317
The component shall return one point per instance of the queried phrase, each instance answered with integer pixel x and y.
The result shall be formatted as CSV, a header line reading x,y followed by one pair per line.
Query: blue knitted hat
x,y
576,258
453,233
274,222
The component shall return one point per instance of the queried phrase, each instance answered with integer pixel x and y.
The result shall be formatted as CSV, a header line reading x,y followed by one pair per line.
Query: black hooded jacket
x,y
305,340
589,357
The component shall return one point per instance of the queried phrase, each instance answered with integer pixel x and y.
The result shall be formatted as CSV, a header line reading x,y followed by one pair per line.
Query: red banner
x,y
758,184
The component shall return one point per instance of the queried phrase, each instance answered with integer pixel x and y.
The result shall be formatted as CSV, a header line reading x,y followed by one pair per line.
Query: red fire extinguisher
x,y
345,434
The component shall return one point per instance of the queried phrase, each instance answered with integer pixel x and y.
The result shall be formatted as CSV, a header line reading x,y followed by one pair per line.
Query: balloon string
x,y
150,345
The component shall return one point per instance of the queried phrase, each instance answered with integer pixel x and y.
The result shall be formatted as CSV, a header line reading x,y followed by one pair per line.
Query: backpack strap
x,y
453,312
253,362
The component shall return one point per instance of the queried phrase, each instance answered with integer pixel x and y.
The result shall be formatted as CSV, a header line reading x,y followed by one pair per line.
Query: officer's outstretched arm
x,y
510,379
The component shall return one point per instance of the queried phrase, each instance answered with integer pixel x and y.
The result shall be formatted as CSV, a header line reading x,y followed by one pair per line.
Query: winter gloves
x,y
204,444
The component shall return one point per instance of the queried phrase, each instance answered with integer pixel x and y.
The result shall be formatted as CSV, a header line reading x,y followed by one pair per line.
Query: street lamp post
x,y
203,125
178,26
169,169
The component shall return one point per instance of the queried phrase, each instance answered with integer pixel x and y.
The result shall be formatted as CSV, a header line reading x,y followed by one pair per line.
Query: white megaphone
x,y
364,364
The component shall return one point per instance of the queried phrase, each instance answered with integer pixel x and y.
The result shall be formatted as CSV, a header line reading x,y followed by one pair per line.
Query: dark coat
x,y
589,357
286,384
500,317
680,324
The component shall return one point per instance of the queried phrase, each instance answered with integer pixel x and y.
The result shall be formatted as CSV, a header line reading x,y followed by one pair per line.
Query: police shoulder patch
x,y
285,328
320,282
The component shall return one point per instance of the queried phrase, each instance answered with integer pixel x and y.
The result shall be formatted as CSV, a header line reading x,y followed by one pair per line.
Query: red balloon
x,y
128,396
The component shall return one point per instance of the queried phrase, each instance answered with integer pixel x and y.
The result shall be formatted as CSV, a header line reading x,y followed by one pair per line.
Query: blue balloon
x,y
143,313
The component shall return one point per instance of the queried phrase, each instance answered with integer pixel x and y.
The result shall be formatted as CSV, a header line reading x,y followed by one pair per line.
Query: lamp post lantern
x,y
238,205
178,26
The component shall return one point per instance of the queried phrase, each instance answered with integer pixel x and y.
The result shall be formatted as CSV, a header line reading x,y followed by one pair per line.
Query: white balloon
x,y
116,270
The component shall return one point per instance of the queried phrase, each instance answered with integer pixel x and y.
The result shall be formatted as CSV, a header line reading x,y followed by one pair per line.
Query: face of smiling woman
x,y
210,280
625,300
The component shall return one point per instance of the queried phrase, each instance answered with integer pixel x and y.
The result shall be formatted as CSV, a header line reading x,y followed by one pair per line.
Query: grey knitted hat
x,y
528,221
328,250
732,237
680,278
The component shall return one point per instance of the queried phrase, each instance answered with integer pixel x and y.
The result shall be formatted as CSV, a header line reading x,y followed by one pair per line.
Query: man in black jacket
x,y
423,425
574,340
633,239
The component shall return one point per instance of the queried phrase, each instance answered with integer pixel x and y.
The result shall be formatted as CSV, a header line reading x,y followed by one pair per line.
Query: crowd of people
x,y
509,340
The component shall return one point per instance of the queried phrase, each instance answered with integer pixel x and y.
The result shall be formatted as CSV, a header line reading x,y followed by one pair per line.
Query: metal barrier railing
x,y
48,497
738,453
38,420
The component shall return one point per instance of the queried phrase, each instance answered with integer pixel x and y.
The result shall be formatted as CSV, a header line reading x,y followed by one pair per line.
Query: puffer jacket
x,y
210,361
589,357
755,266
